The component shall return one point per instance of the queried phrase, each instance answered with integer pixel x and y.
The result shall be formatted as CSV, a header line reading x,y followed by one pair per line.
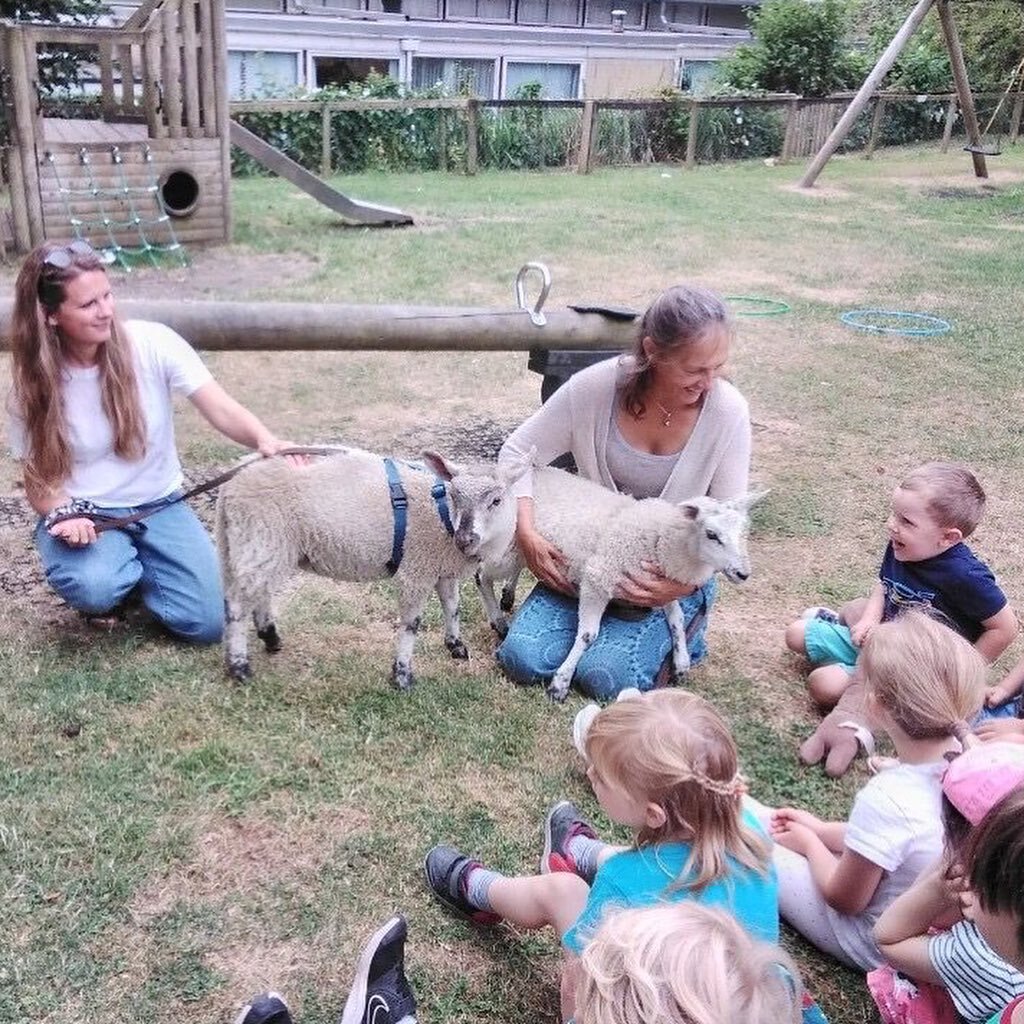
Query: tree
x,y
58,68
798,46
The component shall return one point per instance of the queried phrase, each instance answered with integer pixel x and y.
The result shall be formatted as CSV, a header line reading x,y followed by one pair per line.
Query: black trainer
x,y
380,992
266,1008
446,870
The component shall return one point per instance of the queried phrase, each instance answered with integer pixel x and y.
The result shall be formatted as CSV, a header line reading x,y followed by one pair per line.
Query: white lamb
x,y
335,517
604,534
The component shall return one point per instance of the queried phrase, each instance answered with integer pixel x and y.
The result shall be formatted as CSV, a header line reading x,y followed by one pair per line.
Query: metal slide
x,y
351,209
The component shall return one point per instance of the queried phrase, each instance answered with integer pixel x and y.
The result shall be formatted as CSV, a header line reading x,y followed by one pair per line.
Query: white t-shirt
x,y
165,365
896,823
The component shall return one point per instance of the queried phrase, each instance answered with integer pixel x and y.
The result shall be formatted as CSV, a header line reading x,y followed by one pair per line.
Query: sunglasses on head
x,y
64,255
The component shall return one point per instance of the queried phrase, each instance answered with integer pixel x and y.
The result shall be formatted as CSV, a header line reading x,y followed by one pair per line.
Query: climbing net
x,y
118,209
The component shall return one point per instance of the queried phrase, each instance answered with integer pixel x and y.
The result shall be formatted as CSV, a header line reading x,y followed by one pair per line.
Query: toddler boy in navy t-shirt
x,y
925,564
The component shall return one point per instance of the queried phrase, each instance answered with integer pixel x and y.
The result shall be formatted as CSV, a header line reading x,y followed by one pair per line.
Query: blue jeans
x,y
169,557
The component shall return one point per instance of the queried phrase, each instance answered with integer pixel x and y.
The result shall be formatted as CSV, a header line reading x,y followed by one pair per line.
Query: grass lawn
x,y
170,844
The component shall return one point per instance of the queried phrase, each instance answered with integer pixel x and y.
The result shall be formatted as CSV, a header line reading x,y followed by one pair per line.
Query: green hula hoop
x,y
764,307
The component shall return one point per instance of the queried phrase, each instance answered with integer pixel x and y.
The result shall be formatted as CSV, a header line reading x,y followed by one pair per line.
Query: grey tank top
x,y
638,473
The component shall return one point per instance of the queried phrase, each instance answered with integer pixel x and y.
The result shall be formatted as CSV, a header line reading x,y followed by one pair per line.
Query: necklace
x,y
666,414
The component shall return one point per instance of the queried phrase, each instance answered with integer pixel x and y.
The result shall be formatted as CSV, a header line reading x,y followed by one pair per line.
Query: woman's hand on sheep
x,y
270,446
651,588
545,561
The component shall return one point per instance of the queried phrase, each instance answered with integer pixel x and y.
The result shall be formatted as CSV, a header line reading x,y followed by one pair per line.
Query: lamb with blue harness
x,y
357,516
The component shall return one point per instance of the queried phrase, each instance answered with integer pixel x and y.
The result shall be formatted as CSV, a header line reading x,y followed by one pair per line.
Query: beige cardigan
x,y
715,460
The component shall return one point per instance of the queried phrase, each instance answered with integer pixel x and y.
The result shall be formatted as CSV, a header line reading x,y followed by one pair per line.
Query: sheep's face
x,y
721,533
483,514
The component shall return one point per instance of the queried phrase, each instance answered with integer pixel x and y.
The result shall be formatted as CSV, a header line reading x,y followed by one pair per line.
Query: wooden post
x,y
442,140
220,63
207,80
876,127
947,132
325,142
127,65
190,68
788,140
25,114
691,135
583,157
1015,117
867,90
108,102
472,134
963,86
171,66
151,84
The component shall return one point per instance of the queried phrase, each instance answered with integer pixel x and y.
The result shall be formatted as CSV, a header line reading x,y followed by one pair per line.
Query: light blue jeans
x,y
169,557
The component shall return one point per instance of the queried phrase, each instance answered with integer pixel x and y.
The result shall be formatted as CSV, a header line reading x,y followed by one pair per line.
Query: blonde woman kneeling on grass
x,y
664,764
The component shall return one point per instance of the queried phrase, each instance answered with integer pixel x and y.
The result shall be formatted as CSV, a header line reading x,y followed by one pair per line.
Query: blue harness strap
x,y
399,509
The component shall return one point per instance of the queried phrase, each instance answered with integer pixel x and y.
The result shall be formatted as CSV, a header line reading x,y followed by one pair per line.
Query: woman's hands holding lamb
x,y
651,588
546,562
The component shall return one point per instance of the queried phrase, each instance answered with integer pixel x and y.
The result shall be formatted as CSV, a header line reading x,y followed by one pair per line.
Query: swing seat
x,y
990,145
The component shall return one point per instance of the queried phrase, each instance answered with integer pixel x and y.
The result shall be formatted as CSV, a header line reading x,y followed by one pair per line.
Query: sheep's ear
x,y
512,469
443,467
745,503
690,509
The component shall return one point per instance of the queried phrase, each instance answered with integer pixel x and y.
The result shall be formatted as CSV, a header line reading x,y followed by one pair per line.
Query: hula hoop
x,y
913,325
765,307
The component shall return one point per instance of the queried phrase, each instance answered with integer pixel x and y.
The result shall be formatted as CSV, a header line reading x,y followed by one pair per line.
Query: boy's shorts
x,y
829,643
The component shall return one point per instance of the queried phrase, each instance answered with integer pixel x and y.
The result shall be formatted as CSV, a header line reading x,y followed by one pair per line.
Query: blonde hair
x,y
671,748
683,963
954,498
38,367
928,677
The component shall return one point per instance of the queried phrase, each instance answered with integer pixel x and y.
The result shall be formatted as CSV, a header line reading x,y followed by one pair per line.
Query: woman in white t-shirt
x,y
91,419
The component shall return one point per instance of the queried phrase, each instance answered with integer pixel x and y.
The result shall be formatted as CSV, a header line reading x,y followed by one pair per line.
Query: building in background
x,y
487,48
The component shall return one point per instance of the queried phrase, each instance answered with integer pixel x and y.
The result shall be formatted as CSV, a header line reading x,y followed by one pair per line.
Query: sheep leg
x,y
591,608
266,628
508,593
448,594
236,644
410,614
677,629
485,587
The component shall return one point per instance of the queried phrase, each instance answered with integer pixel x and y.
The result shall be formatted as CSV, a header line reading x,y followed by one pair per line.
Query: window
x,y
343,70
482,10
548,12
253,73
697,75
721,16
557,81
460,76
599,13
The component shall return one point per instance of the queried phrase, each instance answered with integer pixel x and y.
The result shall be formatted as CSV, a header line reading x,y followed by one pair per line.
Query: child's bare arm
x,y
997,633
901,932
1007,687
870,617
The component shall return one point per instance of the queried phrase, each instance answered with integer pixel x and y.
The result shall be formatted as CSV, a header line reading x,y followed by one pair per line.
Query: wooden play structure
x,y
975,144
152,168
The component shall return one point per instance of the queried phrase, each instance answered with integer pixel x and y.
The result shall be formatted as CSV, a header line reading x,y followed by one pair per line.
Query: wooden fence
x,y
807,121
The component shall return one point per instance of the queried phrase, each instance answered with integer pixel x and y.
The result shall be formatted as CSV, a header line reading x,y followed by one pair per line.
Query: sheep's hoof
x,y
401,675
457,649
238,670
500,626
508,600
270,637
557,691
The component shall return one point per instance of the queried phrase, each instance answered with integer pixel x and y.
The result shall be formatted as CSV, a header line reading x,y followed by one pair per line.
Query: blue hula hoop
x,y
914,325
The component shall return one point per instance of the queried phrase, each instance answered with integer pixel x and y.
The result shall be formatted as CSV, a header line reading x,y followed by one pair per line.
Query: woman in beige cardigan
x,y
658,421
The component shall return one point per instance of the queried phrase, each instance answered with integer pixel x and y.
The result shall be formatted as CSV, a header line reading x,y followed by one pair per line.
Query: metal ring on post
x,y
538,318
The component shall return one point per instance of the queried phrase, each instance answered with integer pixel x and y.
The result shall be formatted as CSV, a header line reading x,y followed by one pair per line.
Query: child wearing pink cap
x,y
978,980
